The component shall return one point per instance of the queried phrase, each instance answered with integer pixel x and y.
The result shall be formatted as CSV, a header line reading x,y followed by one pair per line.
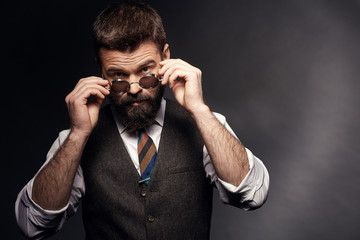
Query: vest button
x,y
151,218
143,192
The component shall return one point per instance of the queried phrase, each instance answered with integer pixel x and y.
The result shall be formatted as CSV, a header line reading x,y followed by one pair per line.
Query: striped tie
x,y
147,155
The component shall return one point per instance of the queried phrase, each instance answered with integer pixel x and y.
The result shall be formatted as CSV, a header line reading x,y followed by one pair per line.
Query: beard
x,y
141,116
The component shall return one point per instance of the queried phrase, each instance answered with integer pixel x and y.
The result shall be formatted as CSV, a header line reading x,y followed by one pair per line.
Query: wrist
x,y
77,135
200,111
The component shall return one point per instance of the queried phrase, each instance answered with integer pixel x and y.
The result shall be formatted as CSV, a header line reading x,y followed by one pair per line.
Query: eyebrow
x,y
146,63
115,69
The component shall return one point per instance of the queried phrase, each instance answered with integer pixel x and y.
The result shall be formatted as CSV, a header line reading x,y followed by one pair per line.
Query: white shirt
x,y
35,221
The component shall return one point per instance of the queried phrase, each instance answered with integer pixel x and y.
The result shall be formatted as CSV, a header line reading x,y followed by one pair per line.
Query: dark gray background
x,y
285,73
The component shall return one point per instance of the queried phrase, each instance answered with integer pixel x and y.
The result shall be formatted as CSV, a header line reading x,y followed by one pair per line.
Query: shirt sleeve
x,y
252,191
36,222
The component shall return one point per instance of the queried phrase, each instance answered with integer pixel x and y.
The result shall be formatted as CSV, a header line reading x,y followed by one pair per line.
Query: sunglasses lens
x,y
148,82
120,87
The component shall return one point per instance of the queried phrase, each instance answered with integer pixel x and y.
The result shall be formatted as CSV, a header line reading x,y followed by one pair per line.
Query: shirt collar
x,y
159,119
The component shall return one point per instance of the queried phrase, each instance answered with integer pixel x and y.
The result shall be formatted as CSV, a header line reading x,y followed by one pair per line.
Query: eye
x,y
145,69
119,75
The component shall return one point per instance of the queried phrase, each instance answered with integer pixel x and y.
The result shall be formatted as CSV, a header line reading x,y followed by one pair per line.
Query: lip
x,y
134,104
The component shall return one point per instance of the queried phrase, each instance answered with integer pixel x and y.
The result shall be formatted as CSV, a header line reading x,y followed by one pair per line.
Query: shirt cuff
x,y
252,181
34,221
40,209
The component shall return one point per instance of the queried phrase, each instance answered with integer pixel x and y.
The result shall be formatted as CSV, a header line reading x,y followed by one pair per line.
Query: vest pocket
x,y
183,169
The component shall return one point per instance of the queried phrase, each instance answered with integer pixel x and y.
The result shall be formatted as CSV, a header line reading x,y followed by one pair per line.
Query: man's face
x,y
138,107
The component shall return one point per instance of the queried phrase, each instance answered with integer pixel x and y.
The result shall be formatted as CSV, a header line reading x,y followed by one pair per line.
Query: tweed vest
x,y
177,203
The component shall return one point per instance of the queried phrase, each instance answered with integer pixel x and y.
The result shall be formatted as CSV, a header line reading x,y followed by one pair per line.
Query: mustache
x,y
130,99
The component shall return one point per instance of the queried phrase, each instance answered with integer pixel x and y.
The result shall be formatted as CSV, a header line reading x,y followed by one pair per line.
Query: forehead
x,y
129,60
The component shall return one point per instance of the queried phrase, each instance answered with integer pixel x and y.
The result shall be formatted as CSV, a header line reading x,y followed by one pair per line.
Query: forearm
x,y
228,155
253,190
53,184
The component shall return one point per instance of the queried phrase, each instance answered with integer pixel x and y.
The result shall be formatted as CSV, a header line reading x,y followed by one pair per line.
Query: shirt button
x,y
143,192
151,218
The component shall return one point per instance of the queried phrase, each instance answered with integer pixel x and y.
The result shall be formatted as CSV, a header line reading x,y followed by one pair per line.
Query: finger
x,y
169,64
89,82
101,80
170,71
178,76
169,61
166,64
90,90
82,94
80,91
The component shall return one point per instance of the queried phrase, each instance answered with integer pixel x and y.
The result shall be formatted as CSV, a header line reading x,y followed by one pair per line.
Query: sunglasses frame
x,y
159,78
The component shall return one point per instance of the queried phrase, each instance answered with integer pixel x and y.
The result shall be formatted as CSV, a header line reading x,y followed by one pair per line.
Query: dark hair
x,y
125,26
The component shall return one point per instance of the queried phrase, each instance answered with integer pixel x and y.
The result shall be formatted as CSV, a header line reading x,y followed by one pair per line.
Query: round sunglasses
x,y
149,81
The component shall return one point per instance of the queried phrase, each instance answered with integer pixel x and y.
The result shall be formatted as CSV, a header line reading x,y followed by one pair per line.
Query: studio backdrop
x,y
285,73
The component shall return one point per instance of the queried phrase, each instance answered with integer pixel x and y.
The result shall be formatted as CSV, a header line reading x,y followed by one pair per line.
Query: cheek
x,y
114,98
149,92
152,93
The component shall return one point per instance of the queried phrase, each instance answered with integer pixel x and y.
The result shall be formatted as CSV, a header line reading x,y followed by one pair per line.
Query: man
x,y
143,166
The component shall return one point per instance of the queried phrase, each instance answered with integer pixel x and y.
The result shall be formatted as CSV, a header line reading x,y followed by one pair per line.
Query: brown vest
x,y
177,203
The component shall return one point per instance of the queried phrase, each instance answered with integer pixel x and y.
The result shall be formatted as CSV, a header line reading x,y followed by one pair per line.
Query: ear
x,y
166,52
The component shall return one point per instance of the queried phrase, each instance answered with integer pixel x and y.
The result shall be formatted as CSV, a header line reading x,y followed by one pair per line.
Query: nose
x,y
134,87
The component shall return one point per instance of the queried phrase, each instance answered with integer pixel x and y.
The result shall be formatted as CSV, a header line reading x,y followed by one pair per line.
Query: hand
x,y
185,82
84,113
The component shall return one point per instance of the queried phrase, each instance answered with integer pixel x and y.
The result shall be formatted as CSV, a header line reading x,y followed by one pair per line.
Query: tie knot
x,y
141,134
